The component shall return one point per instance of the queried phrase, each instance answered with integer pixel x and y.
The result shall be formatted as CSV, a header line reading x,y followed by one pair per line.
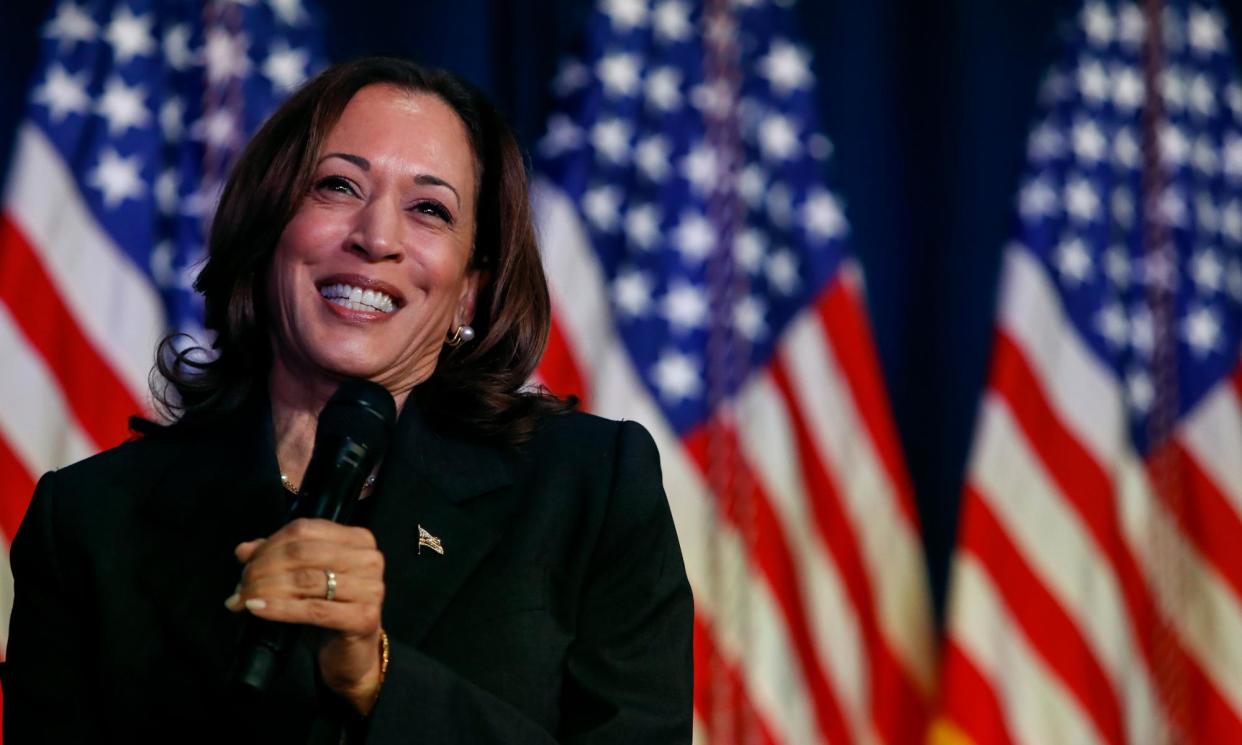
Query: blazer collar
x,y
441,486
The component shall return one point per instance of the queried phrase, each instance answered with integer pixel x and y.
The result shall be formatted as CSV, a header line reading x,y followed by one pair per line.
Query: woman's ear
x,y
469,293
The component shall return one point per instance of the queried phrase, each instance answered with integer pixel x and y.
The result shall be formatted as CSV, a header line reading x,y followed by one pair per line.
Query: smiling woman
x,y
377,227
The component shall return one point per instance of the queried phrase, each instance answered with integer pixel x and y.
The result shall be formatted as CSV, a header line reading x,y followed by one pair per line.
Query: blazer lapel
x,y
456,491
220,489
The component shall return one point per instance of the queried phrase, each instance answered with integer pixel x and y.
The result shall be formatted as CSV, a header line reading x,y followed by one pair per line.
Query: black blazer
x,y
558,612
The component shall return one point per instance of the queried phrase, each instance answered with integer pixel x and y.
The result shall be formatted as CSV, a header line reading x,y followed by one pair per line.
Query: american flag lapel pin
x,y
430,541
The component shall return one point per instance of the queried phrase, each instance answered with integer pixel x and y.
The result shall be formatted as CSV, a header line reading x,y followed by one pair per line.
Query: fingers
x,y
358,619
313,584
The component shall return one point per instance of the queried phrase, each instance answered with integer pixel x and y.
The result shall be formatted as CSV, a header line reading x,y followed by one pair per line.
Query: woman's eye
x,y
337,184
434,209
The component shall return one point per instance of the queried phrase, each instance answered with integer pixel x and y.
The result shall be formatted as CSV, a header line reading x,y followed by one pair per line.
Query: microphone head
x,y
361,410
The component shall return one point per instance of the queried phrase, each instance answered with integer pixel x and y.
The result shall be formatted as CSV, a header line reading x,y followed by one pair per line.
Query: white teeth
x,y
356,298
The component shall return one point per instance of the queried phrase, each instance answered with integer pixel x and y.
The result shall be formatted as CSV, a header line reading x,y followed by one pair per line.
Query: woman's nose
x,y
377,232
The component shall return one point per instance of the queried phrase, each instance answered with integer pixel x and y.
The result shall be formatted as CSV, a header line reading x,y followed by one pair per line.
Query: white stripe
x,y
1187,589
1038,709
766,436
891,550
1212,433
111,300
1080,388
730,593
1061,552
35,419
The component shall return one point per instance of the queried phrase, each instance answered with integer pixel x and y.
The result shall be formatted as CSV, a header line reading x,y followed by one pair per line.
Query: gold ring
x,y
330,594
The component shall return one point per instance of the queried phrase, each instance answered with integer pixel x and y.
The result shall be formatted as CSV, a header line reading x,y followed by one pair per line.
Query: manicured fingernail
x,y
256,604
234,602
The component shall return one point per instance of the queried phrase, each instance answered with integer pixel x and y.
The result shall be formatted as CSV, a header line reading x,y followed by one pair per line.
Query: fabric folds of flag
x,y
1096,595
135,112
702,285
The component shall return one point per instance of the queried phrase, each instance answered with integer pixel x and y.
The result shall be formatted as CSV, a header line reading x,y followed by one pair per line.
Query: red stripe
x,y
969,700
720,695
898,708
1044,622
840,310
1090,492
743,503
97,397
560,370
1207,517
16,488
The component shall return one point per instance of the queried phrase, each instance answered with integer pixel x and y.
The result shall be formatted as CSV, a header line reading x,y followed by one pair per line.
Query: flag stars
x,y
122,106
1081,200
1037,199
1233,99
1207,271
1140,393
602,206
1112,324
1174,147
1131,25
1073,262
177,47
1089,143
562,136
701,168
62,93
1206,214
1093,82
611,138
663,89
1045,142
751,184
172,119
290,12
1201,331
1173,88
130,35
787,67
713,99
651,155
71,25
285,66
749,249
1231,222
642,226
684,307
1233,280
822,216
1098,24
218,128
749,316
117,178
1205,31
694,237
625,15
620,73
1204,156
1126,151
225,57
778,139
782,272
676,376
1202,96
631,293
1128,89
671,21
572,76
1117,266
1233,157
166,196
1142,331
1122,205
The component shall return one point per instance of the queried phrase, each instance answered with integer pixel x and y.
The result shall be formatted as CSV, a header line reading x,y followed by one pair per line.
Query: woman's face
x,y
371,273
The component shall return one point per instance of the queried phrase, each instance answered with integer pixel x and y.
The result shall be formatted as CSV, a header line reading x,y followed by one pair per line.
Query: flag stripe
x,y
17,485
752,515
559,370
115,306
971,703
1206,517
710,665
891,692
100,401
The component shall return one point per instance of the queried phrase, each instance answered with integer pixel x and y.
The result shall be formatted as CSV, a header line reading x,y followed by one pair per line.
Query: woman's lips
x,y
360,294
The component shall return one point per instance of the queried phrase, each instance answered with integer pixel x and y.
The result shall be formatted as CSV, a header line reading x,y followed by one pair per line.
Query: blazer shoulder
x,y
590,432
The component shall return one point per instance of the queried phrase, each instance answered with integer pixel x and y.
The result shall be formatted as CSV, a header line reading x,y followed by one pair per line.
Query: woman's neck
x,y
297,399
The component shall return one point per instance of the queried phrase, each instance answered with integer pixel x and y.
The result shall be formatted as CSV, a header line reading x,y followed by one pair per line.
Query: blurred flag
x,y
702,286
1096,595
135,112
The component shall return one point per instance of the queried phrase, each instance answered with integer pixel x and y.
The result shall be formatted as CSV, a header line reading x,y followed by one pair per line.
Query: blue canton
x,y
688,141
1082,210
148,103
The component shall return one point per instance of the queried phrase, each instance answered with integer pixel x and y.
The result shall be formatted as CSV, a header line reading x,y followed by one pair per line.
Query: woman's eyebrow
x,y
357,160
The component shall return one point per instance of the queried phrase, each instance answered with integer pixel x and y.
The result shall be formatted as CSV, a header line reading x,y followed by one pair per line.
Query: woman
x,y
514,577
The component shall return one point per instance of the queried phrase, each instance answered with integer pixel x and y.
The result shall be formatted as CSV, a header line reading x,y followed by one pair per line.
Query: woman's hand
x,y
285,580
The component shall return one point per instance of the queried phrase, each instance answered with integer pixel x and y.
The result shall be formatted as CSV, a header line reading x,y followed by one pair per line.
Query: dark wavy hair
x,y
476,387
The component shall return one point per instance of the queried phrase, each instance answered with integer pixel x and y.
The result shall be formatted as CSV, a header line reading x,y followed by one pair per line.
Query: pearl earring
x,y
463,333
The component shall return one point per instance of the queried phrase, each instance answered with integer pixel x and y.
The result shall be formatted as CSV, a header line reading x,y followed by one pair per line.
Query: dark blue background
x,y
927,104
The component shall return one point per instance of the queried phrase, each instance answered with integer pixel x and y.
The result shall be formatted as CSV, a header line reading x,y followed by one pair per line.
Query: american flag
x,y
702,285
135,113
1096,596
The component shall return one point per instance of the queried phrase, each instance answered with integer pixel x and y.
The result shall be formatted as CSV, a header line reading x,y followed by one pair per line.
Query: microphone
x,y
351,436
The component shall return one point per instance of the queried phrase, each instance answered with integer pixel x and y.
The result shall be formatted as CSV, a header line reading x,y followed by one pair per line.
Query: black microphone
x,y
352,434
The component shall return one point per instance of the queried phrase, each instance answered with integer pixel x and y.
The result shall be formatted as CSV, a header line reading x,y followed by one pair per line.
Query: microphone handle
x,y
329,491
